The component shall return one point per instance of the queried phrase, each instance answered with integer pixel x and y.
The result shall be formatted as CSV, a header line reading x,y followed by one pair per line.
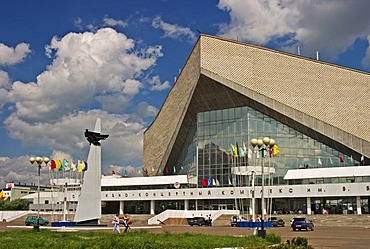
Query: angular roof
x,y
325,101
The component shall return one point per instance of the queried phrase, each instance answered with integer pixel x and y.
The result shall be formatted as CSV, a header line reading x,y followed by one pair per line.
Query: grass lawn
x,y
22,239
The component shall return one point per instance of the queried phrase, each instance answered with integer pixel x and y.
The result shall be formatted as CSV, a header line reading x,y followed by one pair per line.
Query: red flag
x,y
341,159
52,165
113,173
204,182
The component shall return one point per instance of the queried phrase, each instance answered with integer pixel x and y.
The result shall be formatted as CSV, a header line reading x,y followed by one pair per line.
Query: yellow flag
x,y
276,150
1,193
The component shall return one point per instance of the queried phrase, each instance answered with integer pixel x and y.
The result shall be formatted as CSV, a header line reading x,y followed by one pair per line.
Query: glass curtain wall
x,y
218,130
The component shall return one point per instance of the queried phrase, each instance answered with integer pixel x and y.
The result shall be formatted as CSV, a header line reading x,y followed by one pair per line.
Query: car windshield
x,y
299,219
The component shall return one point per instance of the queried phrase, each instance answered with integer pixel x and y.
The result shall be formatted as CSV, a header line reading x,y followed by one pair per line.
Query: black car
x,y
302,224
276,222
198,221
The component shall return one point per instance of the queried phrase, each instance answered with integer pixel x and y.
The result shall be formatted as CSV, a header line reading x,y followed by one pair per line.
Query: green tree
x,y
17,204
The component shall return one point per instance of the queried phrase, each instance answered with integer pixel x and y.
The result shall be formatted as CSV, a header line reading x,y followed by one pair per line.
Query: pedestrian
x,y
116,223
126,222
210,220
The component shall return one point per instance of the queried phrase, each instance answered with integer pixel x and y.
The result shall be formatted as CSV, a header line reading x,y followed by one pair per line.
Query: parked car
x,y
198,221
32,220
300,223
237,218
276,222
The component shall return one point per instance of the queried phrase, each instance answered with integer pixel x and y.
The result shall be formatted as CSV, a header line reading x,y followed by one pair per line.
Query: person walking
x,y
126,222
116,223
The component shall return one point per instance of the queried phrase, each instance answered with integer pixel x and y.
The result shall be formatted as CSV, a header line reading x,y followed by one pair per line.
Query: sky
x,y
65,63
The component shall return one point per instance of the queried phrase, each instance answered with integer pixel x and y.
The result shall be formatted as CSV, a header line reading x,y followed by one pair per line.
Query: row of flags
x,y
242,151
65,165
341,160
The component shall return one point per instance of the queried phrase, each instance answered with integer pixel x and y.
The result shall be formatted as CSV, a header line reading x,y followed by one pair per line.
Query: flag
x,y
351,159
319,161
58,164
331,161
237,150
204,182
217,182
249,153
241,152
85,166
234,151
213,182
209,182
174,169
362,158
80,166
52,165
66,164
276,150
73,166
125,172
1,193
229,182
341,159
113,172
271,151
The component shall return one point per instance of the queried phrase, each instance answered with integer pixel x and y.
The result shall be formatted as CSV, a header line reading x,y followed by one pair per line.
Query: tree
x,y
17,204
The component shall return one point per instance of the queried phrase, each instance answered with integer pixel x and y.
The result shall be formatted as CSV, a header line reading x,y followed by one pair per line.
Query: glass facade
x,y
218,130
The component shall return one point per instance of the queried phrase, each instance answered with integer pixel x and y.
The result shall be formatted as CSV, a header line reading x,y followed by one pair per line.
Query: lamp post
x,y
39,161
263,145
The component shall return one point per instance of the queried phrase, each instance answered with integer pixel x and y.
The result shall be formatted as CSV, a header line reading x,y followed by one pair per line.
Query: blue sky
x,y
64,63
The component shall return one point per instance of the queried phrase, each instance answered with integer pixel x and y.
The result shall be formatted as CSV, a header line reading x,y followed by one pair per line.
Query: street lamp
x,y
263,145
39,161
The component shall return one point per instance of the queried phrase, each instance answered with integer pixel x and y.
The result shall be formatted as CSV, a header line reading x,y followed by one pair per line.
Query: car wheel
x,y
27,224
191,225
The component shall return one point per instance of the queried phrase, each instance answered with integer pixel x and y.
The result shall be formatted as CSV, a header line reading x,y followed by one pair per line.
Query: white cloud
x,y
116,103
4,80
329,26
85,65
157,85
143,110
11,56
4,86
112,22
173,30
67,135
366,61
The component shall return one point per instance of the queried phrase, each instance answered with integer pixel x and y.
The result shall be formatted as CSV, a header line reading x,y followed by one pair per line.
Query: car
x,y
301,223
32,220
276,222
198,221
237,218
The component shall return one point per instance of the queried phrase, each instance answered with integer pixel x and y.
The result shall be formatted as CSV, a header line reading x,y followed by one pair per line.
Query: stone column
x,y
152,206
358,203
186,204
308,203
121,207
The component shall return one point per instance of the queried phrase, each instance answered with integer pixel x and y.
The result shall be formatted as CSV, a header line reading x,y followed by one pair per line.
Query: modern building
x,y
197,153
228,93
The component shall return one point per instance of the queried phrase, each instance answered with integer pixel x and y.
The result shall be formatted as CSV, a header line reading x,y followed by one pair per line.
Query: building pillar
x,y
308,203
152,206
250,207
358,204
186,204
121,207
